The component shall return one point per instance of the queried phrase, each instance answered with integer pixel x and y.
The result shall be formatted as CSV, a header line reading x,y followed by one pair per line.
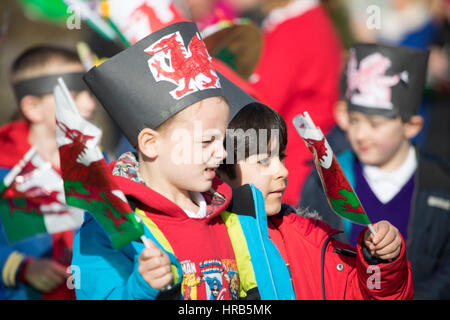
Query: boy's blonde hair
x,y
196,106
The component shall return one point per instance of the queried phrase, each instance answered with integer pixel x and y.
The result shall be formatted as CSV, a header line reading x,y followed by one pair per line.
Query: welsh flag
x,y
32,200
116,20
135,19
88,182
340,194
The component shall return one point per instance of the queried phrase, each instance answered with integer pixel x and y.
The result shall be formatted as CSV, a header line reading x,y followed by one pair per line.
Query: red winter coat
x,y
202,245
299,71
322,267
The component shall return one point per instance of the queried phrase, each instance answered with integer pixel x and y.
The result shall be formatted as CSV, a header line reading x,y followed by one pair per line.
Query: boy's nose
x,y
282,170
360,132
220,152
85,104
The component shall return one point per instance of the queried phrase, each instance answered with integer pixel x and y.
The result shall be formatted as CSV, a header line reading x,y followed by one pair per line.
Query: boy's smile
x,y
211,172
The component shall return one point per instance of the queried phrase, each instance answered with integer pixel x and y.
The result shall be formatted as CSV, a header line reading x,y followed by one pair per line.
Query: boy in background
x,y
391,178
35,268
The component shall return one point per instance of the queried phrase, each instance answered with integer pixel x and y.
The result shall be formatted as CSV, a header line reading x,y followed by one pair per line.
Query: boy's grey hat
x,y
385,80
237,98
149,82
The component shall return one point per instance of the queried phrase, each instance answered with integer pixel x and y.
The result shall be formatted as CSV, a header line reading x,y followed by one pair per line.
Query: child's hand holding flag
x,y
386,243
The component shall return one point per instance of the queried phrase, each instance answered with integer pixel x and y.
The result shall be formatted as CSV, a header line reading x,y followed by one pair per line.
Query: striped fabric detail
x,y
247,279
10,268
159,236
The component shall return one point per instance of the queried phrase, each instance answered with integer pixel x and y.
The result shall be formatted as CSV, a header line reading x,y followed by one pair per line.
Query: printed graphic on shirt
x,y
189,68
218,278
232,277
368,85
190,280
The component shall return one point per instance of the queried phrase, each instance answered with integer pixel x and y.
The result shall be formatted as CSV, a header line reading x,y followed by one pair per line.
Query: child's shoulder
x,y
346,156
15,128
13,142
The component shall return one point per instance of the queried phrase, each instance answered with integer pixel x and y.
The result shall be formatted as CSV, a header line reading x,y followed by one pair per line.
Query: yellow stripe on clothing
x,y
159,237
10,268
247,279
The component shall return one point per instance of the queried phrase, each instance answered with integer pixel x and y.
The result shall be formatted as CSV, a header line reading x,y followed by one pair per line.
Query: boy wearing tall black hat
x,y
392,179
170,103
35,268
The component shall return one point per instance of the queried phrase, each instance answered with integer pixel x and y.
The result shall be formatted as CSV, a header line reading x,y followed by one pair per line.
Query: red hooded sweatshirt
x,y
202,245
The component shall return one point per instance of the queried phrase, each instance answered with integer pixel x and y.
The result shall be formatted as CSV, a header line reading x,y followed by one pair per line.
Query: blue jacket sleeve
x,y
101,272
10,259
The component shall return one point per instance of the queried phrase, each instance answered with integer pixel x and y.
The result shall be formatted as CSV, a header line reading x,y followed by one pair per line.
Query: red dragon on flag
x,y
185,68
370,80
32,200
139,18
339,192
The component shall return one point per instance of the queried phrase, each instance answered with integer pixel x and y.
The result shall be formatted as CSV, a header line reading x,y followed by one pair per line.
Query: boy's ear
x,y
31,109
148,142
341,115
413,126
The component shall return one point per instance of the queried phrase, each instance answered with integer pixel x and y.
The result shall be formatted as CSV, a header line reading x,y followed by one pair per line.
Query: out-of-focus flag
x,y
135,19
32,200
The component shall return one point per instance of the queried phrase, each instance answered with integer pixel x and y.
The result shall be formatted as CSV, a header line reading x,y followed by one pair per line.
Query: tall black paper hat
x,y
149,82
385,80
236,97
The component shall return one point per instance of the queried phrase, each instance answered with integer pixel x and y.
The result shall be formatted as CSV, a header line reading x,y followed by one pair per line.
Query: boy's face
x,y
267,173
191,147
376,140
83,99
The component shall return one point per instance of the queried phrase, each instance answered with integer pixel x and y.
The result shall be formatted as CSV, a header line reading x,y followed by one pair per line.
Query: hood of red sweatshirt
x,y
13,142
126,174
